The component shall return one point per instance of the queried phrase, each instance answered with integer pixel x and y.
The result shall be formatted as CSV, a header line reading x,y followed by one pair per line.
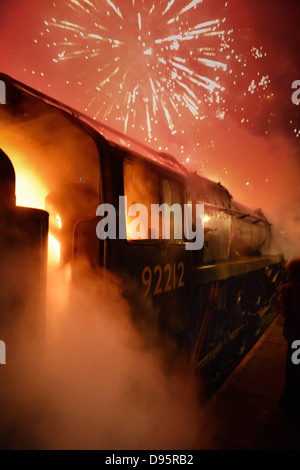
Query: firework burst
x,y
143,63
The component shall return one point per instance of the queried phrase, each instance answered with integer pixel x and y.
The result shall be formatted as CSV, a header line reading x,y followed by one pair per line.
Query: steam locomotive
x,y
209,301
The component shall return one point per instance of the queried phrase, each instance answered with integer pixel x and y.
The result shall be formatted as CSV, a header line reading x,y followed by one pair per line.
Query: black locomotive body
x,y
23,262
206,298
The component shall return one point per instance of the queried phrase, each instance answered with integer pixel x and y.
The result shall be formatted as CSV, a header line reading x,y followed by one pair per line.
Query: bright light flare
x,y
53,251
31,192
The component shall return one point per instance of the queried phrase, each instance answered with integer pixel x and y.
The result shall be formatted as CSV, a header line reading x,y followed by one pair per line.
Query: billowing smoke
x,y
96,385
261,172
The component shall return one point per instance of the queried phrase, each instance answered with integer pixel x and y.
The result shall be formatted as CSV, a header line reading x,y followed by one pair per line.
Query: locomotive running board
x,y
228,269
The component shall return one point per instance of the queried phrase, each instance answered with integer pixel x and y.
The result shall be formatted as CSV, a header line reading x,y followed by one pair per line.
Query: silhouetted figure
x,y
7,182
289,300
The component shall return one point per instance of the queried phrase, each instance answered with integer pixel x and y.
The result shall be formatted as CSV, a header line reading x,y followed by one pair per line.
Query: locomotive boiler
x,y
232,230
209,301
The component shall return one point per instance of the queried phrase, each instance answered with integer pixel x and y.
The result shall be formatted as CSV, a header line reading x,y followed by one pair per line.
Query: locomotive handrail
x,y
239,215
228,269
256,219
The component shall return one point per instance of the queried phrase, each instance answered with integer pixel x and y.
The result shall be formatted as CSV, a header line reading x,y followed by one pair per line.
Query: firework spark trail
x,y
193,4
168,7
153,70
116,9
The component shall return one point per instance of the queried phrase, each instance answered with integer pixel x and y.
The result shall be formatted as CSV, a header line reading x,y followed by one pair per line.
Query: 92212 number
x,y
163,279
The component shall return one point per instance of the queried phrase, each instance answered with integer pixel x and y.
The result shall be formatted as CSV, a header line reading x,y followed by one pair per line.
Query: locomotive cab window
x,y
173,196
141,186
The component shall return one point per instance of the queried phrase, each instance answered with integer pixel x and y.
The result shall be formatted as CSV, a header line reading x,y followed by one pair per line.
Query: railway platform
x,y
244,413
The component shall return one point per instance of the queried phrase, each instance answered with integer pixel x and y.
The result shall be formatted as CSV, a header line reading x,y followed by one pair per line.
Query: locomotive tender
x,y
207,298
